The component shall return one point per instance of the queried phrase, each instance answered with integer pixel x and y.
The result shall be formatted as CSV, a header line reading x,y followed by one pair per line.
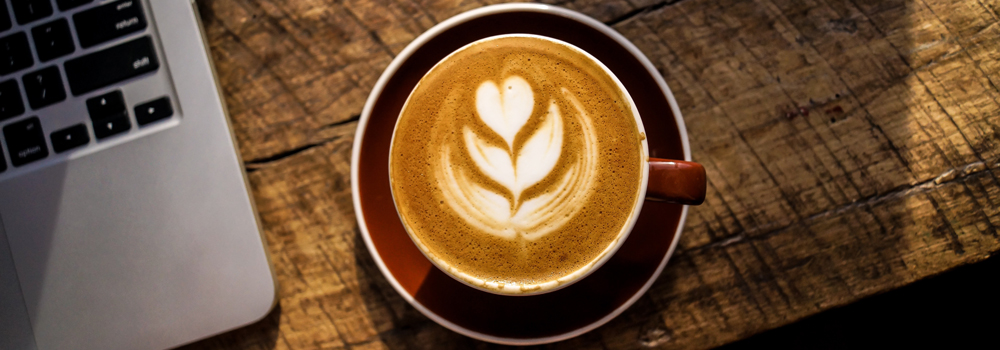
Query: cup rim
x,y
391,70
606,254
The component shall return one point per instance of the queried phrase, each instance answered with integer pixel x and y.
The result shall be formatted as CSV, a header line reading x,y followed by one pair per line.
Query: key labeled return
x,y
109,21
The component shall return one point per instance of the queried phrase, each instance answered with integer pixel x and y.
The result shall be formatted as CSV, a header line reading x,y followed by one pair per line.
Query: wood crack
x,y
252,165
640,11
257,163
349,120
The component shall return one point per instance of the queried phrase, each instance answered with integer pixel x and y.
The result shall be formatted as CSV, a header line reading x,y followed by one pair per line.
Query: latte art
x,y
506,111
516,163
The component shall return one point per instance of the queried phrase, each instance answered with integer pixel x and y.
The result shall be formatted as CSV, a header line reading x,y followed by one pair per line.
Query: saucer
x,y
516,320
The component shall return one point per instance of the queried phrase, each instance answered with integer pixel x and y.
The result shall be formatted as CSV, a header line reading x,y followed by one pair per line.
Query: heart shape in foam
x,y
505,109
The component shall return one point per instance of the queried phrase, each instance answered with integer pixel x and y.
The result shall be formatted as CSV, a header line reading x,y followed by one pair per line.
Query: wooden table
x,y
852,148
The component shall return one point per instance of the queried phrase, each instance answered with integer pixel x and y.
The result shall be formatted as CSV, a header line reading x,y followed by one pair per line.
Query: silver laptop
x,y
125,218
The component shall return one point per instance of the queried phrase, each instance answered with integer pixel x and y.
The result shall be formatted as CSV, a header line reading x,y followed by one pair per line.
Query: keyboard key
x,y
69,4
111,126
30,10
153,110
109,21
111,65
4,20
10,100
52,40
25,141
3,161
15,54
108,105
70,138
44,87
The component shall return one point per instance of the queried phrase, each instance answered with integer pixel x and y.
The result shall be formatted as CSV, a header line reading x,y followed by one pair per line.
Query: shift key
x,y
111,65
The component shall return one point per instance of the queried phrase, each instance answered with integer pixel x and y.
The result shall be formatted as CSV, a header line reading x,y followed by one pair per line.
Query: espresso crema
x,y
516,163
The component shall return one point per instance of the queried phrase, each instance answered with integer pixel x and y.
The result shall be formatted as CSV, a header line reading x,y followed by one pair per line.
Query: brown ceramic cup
x,y
674,181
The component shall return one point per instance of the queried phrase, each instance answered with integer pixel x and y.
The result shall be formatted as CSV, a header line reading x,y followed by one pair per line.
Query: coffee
x,y
516,163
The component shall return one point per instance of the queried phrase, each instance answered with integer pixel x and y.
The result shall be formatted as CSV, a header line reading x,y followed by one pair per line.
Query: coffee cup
x,y
519,164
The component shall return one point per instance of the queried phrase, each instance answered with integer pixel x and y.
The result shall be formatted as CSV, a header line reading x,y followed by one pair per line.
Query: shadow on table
x,y
954,310
399,324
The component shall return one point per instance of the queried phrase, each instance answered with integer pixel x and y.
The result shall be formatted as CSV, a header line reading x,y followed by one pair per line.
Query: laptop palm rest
x,y
132,242
15,326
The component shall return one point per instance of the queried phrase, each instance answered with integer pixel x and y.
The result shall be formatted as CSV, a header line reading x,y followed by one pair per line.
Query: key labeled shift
x,y
111,65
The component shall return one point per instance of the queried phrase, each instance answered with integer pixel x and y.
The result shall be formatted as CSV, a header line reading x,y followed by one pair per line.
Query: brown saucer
x,y
516,319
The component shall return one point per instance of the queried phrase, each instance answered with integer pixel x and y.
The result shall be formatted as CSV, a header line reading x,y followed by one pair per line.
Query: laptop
x,y
125,218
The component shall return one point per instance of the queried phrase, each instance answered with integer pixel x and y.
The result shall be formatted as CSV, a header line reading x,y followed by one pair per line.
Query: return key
x,y
109,21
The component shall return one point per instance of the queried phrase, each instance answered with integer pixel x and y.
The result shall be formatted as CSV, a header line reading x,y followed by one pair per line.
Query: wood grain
x,y
851,146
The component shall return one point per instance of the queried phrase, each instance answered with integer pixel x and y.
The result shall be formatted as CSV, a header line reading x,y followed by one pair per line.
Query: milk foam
x,y
506,110
516,164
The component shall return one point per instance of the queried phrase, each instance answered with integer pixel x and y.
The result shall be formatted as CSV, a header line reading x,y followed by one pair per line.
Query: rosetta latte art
x,y
506,109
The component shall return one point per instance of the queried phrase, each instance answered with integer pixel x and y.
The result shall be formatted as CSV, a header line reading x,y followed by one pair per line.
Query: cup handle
x,y
676,181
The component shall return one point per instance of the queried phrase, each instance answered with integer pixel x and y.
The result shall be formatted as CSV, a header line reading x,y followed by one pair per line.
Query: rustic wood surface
x,y
852,147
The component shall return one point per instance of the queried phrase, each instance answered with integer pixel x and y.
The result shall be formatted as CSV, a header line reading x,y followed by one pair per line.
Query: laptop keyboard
x,y
76,51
